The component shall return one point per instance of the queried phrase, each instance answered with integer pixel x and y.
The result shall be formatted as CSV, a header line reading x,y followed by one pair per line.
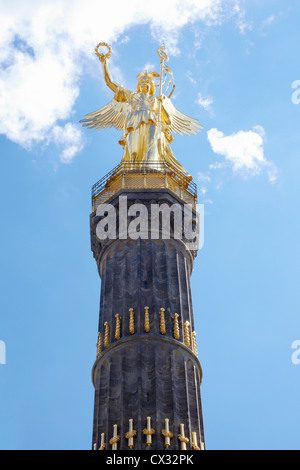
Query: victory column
x,y
147,375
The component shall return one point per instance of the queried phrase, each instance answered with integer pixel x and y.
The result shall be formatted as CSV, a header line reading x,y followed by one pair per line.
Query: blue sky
x,y
234,64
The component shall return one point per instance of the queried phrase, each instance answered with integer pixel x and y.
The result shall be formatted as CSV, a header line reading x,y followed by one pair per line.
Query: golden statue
x,y
147,122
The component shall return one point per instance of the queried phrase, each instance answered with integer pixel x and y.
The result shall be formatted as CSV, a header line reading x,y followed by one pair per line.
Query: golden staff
x,y
163,58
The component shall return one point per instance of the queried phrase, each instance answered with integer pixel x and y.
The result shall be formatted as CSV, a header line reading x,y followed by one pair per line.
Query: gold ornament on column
x,y
176,326
103,443
106,334
162,321
115,439
148,431
131,321
187,335
99,344
130,434
147,320
183,440
194,343
118,327
167,434
194,441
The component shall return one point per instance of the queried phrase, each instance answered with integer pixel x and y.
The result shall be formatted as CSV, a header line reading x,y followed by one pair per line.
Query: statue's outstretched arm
x,y
107,77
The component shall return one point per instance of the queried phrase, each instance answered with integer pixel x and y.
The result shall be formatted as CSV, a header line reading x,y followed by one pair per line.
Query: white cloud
x,y
260,131
202,177
217,165
149,66
244,151
272,173
125,40
205,102
69,138
45,47
268,21
190,77
241,21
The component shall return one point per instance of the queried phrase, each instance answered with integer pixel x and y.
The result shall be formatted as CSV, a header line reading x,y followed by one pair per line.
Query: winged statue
x,y
148,122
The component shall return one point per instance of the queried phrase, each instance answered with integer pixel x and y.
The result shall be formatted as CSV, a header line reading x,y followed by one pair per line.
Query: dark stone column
x,y
145,373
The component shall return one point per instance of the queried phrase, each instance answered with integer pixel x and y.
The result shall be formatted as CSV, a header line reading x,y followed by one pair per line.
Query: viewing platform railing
x,y
144,176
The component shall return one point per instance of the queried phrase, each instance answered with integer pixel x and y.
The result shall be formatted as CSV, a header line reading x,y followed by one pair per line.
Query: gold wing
x,y
111,115
177,122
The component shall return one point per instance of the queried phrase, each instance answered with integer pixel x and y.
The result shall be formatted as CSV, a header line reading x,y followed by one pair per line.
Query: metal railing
x,y
146,170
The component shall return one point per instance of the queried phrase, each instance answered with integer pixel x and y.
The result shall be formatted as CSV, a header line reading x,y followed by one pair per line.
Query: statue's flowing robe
x,y
145,139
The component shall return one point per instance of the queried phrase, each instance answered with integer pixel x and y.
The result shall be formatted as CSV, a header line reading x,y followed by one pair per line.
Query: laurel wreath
x,y
100,55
